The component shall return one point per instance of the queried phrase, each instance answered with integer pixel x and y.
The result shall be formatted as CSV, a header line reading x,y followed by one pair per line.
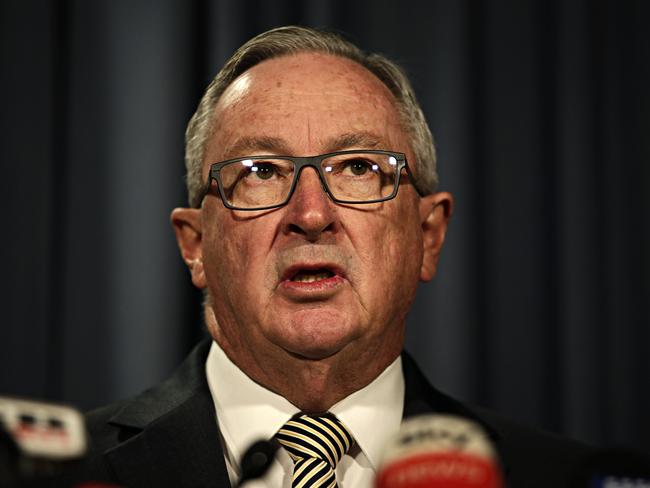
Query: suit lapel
x,y
422,398
171,434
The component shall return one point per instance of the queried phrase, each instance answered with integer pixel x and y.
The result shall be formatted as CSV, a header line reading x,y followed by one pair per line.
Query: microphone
x,y
436,451
256,461
38,440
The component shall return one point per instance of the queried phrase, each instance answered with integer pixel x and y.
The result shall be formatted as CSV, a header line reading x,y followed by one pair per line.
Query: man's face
x,y
314,278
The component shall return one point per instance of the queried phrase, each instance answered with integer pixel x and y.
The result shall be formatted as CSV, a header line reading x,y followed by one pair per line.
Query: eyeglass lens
x,y
250,183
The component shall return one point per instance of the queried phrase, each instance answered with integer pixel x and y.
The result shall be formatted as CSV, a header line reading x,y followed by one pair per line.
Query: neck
x,y
312,385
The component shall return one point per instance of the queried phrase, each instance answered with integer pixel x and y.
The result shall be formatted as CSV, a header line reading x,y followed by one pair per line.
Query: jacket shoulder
x,y
533,457
529,457
139,429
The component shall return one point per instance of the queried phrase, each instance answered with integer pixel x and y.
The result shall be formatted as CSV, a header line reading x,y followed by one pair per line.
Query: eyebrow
x,y
247,144
348,140
275,145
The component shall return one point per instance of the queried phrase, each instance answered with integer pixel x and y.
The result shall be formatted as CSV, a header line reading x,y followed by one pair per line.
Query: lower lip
x,y
314,287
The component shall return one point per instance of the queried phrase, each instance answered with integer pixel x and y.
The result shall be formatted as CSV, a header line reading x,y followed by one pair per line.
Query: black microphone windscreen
x,y
257,460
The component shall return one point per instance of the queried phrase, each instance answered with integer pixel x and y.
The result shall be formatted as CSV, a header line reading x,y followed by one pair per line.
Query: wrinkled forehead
x,y
308,99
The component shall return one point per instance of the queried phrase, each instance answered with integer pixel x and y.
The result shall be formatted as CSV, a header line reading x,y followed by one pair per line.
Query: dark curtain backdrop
x,y
541,113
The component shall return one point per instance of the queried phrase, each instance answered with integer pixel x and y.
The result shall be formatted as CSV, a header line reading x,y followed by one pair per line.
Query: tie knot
x,y
315,436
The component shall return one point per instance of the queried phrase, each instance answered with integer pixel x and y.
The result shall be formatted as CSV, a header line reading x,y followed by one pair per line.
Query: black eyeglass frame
x,y
301,162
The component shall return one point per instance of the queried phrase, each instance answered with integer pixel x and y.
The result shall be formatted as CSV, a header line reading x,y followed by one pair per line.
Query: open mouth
x,y
312,281
312,275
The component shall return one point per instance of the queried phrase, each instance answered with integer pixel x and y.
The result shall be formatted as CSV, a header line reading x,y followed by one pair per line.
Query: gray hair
x,y
291,40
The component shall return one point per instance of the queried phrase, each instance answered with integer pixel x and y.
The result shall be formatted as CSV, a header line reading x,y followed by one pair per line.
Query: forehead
x,y
305,104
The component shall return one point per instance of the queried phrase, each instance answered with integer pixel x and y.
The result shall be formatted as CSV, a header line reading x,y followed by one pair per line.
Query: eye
x,y
263,171
358,167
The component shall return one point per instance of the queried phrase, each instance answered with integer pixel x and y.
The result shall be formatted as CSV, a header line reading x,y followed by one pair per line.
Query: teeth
x,y
310,278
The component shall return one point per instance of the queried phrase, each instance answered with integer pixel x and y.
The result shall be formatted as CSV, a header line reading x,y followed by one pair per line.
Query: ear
x,y
435,212
188,229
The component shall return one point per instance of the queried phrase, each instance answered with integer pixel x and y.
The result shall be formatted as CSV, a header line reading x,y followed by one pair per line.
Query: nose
x,y
310,212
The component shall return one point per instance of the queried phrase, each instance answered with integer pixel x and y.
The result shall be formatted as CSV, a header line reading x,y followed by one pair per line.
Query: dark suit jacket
x,y
168,437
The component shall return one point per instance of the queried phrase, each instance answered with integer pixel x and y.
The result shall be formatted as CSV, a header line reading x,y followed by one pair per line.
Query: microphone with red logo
x,y
436,451
38,442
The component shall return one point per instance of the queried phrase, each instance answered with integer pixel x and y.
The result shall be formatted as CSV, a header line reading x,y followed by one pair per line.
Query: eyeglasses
x,y
265,182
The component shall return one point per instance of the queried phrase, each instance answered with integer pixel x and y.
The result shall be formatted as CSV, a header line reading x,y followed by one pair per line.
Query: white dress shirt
x,y
248,412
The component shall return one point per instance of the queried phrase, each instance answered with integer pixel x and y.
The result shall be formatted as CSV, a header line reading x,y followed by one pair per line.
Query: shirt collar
x,y
248,412
374,413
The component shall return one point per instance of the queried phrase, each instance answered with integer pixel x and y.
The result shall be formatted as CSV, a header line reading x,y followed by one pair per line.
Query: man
x,y
314,214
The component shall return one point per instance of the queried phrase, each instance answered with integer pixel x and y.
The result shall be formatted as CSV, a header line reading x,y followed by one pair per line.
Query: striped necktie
x,y
316,443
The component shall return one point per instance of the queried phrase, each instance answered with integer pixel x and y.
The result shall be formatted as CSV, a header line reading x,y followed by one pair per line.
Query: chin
x,y
317,333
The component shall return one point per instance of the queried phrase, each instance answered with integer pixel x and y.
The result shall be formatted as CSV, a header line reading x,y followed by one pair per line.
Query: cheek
x,y
391,251
404,252
237,264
